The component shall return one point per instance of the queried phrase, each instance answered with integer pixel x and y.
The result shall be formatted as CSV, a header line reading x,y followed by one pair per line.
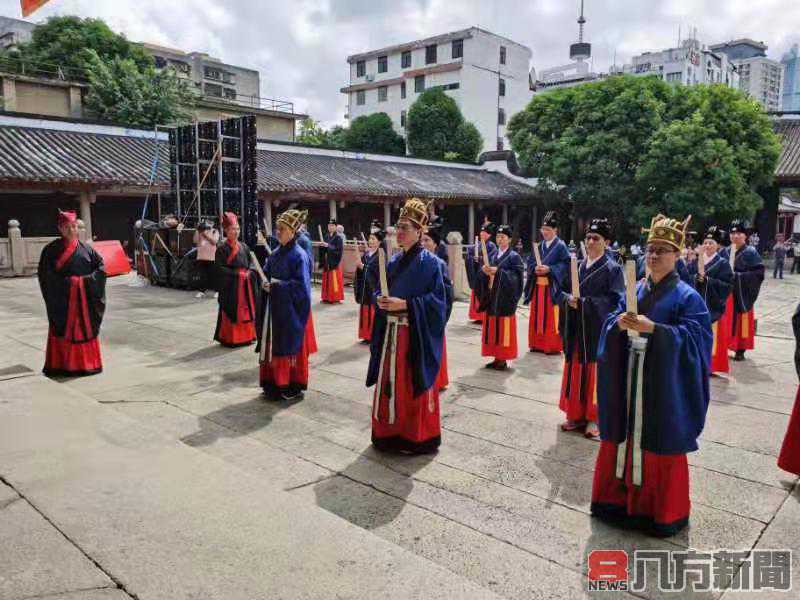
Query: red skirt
x,y
743,334
286,373
243,332
74,354
543,325
660,505
789,458
579,390
333,285
474,315
719,351
366,318
416,426
311,335
443,378
499,337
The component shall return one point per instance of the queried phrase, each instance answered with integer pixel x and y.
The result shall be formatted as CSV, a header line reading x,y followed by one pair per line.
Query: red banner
x,y
31,6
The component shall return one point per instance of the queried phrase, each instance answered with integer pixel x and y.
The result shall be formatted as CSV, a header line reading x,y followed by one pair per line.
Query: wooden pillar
x,y
87,199
16,246
471,221
387,213
505,214
534,223
332,208
268,215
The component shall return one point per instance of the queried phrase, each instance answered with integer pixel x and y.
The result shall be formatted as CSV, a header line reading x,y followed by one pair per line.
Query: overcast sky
x,y
300,46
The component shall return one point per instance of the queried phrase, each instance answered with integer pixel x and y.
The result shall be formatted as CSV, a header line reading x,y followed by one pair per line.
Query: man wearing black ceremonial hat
x,y
713,280
474,263
748,274
583,311
366,283
330,258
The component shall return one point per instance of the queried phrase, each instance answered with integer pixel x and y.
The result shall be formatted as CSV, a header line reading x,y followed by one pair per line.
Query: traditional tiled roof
x,y
286,171
789,163
38,155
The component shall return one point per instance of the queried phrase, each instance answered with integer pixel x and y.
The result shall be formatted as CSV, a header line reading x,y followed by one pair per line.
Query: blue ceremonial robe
x,y
416,277
502,299
448,287
676,369
717,285
474,264
330,257
441,251
366,279
289,299
304,241
602,288
557,258
747,278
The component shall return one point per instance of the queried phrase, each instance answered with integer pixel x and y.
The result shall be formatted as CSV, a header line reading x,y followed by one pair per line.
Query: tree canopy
x,y
629,147
437,129
374,133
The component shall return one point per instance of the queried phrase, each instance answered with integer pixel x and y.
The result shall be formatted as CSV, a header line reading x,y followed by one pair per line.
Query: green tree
x,y
374,133
629,147
121,92
69,42
437,129
312,133
336,137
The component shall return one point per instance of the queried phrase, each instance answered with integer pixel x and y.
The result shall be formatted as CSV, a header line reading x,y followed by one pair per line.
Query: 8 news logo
x,y
608,571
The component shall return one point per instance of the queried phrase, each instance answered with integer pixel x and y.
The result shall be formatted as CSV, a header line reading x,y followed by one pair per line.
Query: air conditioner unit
x,y
371,77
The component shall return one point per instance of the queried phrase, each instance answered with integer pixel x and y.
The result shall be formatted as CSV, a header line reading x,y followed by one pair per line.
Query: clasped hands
x,y
491,271
635,322
392,304
541,270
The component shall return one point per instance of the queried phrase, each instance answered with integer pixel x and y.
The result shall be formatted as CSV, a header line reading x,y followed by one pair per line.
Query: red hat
x,y
229,219
65,217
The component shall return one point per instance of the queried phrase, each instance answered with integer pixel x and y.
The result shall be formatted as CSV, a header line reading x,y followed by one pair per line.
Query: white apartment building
x,y
689,64
760,77
486,74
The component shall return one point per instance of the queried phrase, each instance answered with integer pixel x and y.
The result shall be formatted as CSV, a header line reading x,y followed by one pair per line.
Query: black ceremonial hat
x,y
435,229
600,227
489,228
739,226
715,233
505,230
550,220
332,221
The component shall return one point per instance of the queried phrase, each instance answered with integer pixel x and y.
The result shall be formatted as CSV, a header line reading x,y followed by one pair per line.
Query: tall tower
x,y
580,51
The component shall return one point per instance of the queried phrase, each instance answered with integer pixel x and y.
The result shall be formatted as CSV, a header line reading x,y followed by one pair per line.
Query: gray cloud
x,y
300,46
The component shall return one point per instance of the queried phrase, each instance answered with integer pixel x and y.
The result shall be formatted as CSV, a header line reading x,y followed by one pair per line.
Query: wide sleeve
x,y
599,306
676,392
507,287
359,291
289,305
796,328
747,282
94,284
612,374
427,318
55,289
335,251
226,280
531,280
715,289
559,269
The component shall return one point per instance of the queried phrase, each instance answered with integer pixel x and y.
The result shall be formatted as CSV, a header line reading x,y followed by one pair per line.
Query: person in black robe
x,y
365,284
73,284
473,262
330,257
601,288
429,243
435,230
714,284
501,289
237,284
748,275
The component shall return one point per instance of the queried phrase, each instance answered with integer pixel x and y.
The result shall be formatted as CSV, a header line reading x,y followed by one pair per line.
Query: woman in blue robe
x,y
748,275
407,343
428,242
543,281
653,394
331,252
501,289
365,284
473,261
714,285
602,288
286,304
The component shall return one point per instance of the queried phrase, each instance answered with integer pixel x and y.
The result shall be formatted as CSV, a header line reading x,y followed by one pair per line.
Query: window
x,y
458,48
419,83
502,55
674,77
228,78
448,86
230,93
383,64
402,118
501,116
383,93
403,90
361,68
361,98
502,87
161,62
211,73
430,54
212,89
405,59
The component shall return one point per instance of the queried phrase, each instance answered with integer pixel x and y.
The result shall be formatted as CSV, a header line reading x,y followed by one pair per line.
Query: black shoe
x,y
491,365
739,355
501,365
290,395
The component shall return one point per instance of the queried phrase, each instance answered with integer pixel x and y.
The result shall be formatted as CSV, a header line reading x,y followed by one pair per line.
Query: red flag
x,y
31,6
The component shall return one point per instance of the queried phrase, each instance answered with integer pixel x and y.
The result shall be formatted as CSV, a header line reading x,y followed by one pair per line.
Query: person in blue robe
x,y
365,284
407,343
282,346
429,243
304,241
748,275
473,261
653,393
601,287
501,290
331,252
714,285
543,281
435,231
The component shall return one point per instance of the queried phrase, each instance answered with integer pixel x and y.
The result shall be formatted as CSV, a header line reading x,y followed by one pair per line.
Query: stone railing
x,y
19,256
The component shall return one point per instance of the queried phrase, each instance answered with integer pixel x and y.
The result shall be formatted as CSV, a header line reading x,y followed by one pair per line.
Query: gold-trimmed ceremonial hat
x,y
416,211
293,218
669,231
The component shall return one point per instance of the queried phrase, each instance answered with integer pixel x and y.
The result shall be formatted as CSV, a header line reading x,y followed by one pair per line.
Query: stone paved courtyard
x,y
168,476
